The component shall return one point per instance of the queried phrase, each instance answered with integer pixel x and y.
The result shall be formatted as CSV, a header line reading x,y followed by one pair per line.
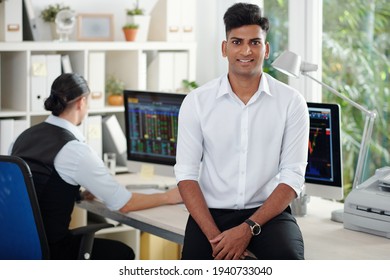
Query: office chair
x,y
22,234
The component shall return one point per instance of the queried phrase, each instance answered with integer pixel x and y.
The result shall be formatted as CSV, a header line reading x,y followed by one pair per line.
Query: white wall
x,y
210,27
116,7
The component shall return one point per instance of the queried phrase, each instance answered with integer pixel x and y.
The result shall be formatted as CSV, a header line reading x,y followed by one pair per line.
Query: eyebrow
x,y
253,39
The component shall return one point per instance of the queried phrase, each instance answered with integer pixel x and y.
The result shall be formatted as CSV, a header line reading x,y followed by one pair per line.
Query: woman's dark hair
x,y
241,14
65,88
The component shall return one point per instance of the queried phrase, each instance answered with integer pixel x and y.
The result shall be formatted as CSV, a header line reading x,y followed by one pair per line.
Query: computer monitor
x,y
323,176
151,130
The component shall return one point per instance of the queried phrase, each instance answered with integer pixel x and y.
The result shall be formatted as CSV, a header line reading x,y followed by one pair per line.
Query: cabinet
x,y
173,20
126,61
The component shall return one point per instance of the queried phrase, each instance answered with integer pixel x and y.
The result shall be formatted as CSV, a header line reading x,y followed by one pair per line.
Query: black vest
x,y
38,146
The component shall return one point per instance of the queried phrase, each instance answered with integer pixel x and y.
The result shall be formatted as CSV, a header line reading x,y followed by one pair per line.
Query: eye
x,y
236,42
256,42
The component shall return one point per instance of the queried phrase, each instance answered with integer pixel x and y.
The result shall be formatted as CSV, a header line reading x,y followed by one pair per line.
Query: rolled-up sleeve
x,y
78,164
189,143
294,148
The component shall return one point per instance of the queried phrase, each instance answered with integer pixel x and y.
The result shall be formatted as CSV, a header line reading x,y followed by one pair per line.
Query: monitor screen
x,y
324,169
151,129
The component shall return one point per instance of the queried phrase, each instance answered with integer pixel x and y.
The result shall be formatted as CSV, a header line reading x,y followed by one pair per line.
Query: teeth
x,y
245,60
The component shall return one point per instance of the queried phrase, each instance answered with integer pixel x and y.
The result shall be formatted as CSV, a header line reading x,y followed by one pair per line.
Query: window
x,y
356,62
277,13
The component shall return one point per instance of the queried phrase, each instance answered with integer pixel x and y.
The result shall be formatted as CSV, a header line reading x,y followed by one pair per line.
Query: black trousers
x,y
280,238
103,249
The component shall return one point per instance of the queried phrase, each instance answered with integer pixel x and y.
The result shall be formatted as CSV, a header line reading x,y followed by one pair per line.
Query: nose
x,y
246,49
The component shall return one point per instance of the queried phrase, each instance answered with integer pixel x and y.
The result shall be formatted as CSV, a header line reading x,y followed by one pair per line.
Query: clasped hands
x,y
232,244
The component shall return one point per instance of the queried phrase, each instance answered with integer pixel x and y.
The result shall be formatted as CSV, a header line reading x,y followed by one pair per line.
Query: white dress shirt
x,y
78,164
239,152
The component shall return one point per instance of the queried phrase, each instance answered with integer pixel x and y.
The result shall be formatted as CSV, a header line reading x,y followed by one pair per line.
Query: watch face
x,y
256,230
255,227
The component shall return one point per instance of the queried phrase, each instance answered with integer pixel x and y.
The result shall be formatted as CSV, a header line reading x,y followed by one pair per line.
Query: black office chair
x,y
22,234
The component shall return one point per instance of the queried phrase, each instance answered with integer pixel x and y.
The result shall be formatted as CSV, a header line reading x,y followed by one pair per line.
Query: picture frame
x,y
95,27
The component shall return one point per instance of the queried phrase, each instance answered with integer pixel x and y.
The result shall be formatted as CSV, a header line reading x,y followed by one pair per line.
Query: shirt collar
x,y
57,121
225,87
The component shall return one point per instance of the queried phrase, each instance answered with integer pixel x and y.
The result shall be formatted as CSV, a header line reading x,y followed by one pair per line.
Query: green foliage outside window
x,y
356,62
277,14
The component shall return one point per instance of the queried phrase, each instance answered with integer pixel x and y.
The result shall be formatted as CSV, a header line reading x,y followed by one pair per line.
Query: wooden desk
x,y
167,222
324,239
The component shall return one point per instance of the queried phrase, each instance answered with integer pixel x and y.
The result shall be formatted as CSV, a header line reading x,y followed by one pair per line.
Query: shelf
x,y
107,109
94,46
8,113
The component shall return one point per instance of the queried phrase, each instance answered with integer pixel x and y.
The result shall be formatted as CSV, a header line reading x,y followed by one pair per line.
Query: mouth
x,y
245,60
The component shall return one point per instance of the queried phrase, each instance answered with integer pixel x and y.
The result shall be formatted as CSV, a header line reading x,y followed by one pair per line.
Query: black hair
x,y
65,88
241,14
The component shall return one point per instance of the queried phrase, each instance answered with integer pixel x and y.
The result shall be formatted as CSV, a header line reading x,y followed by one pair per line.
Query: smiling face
x,y
246,49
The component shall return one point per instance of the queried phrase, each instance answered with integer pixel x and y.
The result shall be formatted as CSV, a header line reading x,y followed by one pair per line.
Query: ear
x,y
267,50
223,47
81,102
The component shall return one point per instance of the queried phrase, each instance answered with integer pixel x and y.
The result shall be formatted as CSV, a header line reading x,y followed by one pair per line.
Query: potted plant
x,y
136,11
130,30
49,15
114,90
137,16
187,86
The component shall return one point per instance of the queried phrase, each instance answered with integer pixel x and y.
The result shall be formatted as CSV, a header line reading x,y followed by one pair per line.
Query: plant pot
x,y
130,34
115,100
143,22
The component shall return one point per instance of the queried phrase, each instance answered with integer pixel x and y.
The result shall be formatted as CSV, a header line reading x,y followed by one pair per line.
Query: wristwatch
x,y
255,227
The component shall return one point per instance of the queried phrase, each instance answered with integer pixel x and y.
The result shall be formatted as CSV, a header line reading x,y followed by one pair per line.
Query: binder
x,y
160,72
30,30
94,133
66,65
167,71
173,21
53,64
6,135
11,21
114,140
19,127
38,74
96,79
142,76
180,69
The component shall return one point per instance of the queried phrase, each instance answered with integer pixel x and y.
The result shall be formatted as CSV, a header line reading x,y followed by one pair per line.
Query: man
x,y
242,153
60,162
